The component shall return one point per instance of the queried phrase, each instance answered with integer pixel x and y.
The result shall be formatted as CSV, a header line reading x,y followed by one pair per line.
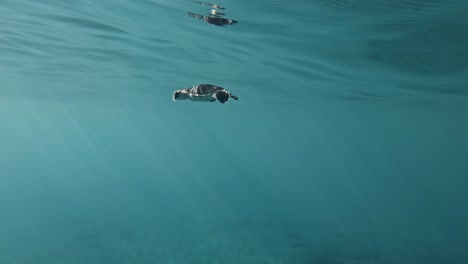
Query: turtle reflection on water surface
x,y
215,17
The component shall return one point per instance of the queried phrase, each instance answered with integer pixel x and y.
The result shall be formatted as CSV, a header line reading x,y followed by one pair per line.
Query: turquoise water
x,y
349,142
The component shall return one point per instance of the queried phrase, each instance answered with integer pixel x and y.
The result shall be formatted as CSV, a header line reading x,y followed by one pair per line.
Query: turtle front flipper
x,y
222,97
233,96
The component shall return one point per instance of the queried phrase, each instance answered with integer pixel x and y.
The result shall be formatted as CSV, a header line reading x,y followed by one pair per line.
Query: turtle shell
x,y
205,89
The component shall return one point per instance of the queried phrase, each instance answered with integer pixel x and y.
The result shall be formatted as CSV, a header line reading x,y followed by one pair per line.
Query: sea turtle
x,y
204,93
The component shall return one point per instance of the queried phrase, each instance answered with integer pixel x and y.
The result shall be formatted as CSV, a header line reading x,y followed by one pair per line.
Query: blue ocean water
x,y
349,142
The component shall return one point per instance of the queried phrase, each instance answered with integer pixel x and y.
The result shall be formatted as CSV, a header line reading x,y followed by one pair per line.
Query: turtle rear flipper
x,y
222,97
